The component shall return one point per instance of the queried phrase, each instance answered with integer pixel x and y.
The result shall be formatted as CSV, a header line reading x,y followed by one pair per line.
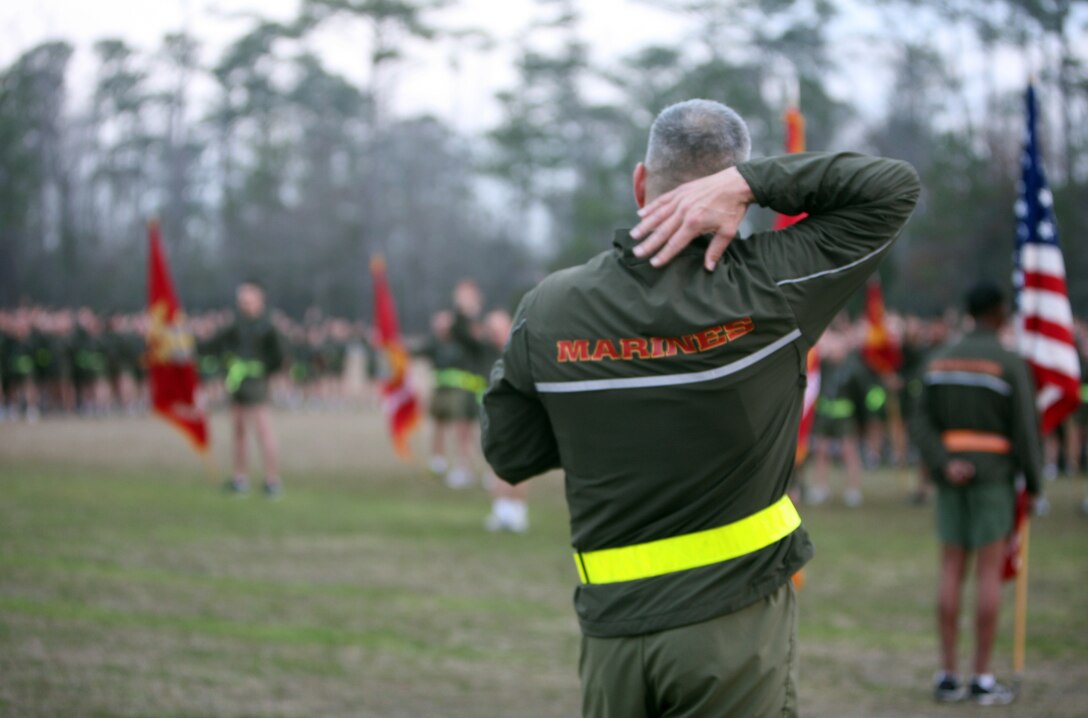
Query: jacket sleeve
x,y
927,435
275,350
1027,443
856,207
218,343
518,441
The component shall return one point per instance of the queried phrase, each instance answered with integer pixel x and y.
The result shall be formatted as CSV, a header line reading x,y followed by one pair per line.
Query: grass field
x,y
129,586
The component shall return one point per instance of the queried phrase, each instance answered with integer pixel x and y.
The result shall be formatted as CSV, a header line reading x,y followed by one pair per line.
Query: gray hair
x,y
693,139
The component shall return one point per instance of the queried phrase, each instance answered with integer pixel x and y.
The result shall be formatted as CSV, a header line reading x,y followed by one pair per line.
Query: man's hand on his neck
x,y
715,204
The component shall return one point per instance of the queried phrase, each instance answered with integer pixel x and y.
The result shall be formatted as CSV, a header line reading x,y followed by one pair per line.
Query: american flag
x,y
1044,317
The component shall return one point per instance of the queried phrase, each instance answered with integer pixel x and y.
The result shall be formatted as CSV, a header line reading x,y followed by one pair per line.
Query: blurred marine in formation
x,y
455,351
977,428
250,351
666,378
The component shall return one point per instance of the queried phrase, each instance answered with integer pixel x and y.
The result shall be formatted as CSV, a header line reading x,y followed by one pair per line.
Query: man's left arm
x,y
1027,442
517,436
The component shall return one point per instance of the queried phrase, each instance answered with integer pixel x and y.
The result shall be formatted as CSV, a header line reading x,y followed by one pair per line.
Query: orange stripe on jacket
x,y
975,366
964,440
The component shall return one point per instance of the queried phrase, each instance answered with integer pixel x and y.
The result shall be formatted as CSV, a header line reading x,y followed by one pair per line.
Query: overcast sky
x,y
426,82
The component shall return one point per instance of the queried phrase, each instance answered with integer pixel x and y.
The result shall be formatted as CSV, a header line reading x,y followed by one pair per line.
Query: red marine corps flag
x,y
795,142
881,351
170,351
399,402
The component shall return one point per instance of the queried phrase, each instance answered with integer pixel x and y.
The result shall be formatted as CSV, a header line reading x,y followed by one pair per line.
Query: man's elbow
x,y
906,183
513,467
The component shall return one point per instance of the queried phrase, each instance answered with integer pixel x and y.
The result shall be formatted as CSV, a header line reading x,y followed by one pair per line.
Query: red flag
x,y
170,348
1012,548
795,142
399,402
881,350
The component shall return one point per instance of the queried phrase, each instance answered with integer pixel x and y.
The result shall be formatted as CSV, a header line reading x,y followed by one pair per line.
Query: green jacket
x,y
671,397
975,385
251,350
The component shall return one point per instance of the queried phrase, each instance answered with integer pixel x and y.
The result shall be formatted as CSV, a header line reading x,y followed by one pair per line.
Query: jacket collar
x,y
622,241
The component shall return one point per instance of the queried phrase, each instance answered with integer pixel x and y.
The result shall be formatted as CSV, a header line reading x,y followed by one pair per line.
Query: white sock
x,y
985,681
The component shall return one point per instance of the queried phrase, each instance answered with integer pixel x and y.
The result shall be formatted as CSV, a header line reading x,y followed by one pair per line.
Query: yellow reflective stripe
x,y
875,398
835,408
680,553
460,379
241,369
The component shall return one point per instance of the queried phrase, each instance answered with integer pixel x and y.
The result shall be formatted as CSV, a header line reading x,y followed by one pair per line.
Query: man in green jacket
x,y
251,350
666,378
977,428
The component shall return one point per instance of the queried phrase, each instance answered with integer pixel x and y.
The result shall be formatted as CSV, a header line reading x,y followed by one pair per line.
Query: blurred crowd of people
x,y
79,361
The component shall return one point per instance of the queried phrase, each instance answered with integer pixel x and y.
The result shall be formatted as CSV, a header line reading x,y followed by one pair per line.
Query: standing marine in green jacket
x,y
251,350
665,377
977,428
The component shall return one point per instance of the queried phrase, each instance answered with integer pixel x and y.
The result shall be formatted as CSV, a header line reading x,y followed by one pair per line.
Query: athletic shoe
x,y
1042,506
236,486
948,689
459,478
852,498
508,515
995,694
514,524
438,465
273,490
816,495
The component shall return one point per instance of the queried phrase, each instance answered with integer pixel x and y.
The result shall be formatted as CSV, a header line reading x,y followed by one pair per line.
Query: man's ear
x,y
639,182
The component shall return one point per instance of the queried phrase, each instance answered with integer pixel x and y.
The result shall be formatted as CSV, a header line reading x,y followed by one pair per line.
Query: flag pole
x,y
1020,618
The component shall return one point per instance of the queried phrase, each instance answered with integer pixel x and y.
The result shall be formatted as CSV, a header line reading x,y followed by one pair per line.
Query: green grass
x,y
129,586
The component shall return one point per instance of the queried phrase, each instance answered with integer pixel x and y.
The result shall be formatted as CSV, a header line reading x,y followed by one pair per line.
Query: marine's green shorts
x,y
454,405
975,514
251,392
835,427
739,664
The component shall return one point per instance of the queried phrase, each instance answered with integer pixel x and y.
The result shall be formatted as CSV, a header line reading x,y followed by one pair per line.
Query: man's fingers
x,y
657,239
717,248
653,215
678,239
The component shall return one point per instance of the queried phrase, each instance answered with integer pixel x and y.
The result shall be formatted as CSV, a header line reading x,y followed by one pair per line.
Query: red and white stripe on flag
x,y
1046,340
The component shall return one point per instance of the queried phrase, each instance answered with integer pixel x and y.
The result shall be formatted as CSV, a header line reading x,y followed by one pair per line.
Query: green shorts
x,y
251,392
834,427
976,514
739,664
454,405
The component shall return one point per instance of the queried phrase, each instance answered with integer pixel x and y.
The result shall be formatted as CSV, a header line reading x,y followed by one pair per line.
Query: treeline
x,y
289,172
